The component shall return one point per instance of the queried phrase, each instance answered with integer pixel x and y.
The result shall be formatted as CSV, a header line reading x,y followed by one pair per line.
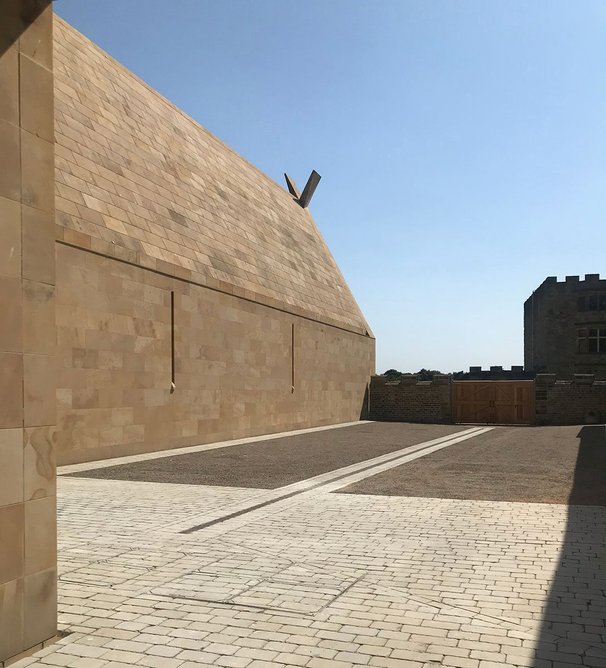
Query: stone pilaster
x,y
27,328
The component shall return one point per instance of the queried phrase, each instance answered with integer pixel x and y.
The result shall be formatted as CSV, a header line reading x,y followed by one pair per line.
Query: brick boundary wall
x,y
581,400
411,400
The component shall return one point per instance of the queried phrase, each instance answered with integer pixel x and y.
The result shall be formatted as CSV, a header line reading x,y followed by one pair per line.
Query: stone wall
x,y
180,262
409,400
137,176
234,370
28,557
553,316
581,400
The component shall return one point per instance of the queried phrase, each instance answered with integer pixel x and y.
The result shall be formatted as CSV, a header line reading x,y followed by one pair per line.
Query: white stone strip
x,y
277,500
405,458
129,459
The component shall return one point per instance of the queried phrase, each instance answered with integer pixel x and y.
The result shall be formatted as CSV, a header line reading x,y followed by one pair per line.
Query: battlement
x,y
411,379
589,280
545,379
496,373
567,286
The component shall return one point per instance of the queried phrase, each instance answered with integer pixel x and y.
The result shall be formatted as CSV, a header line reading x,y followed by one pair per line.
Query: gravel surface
x,y
529,464
278,462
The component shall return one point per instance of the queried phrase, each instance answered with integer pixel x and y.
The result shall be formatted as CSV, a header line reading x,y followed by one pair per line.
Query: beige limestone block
x,y
10,150
11,617
39,332
36,41
40,534
38,245
10,238
40,607
11,545
11,397
11,470
11,322
37,172
36,96
9,85
39,463
39,400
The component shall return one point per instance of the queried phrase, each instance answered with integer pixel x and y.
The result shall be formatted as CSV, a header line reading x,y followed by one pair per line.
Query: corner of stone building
x,y
28,554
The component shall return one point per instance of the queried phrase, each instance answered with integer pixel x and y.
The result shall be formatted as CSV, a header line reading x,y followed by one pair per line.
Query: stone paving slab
x,y
324,580
527,464
392,582
279,462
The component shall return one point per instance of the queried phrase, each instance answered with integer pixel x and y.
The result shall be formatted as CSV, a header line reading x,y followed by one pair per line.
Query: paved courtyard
x,y
183,575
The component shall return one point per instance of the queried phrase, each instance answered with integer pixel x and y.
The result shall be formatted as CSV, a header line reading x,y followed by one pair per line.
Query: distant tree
x,y
423,374
428,374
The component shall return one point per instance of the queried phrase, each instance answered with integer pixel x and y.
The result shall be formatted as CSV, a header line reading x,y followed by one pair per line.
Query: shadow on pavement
x,y
573,628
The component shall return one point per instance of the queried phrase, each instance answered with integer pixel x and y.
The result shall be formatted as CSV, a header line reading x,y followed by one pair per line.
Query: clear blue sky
x,y
462,144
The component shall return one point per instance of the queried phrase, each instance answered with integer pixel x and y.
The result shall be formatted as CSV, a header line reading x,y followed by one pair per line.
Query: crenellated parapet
x,y
589,279
408,379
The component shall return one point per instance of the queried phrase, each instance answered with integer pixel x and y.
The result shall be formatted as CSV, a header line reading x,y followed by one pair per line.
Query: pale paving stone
x,y
405,655
258,654
323,663
86,662
193,656
353,657
460,662
292,659
186,644
159,662
163,651
80,649
121,656
428,568
233,661
57,659
383,662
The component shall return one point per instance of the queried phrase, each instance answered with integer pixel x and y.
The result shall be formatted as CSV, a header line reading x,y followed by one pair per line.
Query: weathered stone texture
x,y
232,357
139,179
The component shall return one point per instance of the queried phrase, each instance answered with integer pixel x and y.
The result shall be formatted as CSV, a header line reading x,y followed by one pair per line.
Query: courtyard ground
x,y
397,571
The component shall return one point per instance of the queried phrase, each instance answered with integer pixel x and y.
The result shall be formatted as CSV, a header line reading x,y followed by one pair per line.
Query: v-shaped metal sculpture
x,y
304,198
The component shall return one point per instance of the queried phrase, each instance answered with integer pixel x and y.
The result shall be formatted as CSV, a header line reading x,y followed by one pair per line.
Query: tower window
x,y
591,340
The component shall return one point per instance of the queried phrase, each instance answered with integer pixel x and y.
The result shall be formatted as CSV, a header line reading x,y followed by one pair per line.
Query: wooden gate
x,y
493,401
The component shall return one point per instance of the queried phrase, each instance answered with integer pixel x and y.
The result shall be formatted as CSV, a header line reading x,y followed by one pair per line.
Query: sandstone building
x,y
159,291
565,327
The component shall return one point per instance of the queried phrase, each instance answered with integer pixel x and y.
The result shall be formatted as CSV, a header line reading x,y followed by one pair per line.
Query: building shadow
x,y
15,17
573,626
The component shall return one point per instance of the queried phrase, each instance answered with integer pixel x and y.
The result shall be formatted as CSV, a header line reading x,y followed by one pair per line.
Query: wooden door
x,y
494,401
514,402
472,401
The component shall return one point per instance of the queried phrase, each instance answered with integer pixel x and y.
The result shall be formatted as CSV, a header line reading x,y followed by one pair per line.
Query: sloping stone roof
x,y
139,179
